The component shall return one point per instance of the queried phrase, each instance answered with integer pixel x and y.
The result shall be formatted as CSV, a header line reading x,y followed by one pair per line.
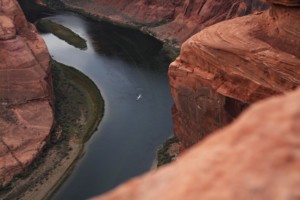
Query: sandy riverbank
x,y
83,107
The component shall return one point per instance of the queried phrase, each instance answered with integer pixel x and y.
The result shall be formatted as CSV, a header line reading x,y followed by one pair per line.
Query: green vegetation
x,y
5,189
169,51
46,25
163,157
79,106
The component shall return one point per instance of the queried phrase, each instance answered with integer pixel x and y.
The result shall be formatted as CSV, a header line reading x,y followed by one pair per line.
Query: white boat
x,y
138,97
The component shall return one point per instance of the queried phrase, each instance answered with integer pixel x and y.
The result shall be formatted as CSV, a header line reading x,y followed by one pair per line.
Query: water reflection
x,y
124,64
128,44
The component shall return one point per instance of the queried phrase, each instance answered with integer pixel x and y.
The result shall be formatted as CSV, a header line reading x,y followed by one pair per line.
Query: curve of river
x,y
132,76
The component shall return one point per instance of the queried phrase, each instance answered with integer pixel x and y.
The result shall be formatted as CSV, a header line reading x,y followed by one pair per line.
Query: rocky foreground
x,y
257,157
26,92
221,71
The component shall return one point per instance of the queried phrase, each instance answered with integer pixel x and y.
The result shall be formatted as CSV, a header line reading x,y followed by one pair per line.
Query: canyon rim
x,y
234,55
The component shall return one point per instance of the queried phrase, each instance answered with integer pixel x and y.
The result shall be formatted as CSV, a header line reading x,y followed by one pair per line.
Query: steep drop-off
x,y
257,157
218,73
172,20
231,64
26,92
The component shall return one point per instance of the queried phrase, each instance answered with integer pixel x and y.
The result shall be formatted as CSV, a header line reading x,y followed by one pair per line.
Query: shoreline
x,y
169,150
66,146
50,174
62,32
169,47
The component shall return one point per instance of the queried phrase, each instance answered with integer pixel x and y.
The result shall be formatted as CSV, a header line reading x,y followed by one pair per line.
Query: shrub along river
x,y
131,73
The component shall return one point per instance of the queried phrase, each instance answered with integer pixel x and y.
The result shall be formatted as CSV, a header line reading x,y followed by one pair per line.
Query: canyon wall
x,y
257,157
172,21
199,109
26,92
232,64
221,70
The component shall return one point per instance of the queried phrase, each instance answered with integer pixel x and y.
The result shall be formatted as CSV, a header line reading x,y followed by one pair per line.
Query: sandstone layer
x,y
172,20
219,72
26,92
257,157
232,64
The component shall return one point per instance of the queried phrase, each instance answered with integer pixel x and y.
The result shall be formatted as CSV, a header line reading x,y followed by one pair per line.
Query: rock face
x,y
219,72
231,64
286,2
26,92
170,20
257,157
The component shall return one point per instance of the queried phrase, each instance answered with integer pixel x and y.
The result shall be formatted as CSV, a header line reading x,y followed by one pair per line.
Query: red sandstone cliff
x,y
26,92
257,157
169,20
218,72
232,64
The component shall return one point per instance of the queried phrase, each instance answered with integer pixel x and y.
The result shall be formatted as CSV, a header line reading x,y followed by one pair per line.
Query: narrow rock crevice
x,y
12,153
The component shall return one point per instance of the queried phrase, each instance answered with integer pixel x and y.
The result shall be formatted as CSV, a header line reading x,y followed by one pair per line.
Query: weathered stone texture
x,y
170,20
244,59
26,92
256,157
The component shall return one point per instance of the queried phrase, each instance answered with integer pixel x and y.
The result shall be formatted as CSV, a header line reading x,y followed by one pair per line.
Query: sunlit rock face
x,y
256,157
170,20
26,92
232,64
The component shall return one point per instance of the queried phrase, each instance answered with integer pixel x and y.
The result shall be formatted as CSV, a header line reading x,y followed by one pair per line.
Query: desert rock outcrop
x,y
232,64
26,92
257,157
219,72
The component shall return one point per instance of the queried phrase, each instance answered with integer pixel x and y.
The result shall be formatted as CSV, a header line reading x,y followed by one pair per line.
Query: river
x,y
131,74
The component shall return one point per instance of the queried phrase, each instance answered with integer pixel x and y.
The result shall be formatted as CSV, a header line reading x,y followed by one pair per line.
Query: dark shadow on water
x,y
33,11
127,44
124,63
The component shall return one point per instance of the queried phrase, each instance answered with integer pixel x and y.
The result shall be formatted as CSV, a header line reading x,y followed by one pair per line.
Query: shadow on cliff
x,y
34,11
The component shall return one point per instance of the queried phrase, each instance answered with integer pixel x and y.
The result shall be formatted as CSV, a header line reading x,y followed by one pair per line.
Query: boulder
x,y
256,157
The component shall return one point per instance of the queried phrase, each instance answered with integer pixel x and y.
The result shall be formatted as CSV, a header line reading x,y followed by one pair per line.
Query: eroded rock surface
x,y
26,92
169,20
232,64
257,157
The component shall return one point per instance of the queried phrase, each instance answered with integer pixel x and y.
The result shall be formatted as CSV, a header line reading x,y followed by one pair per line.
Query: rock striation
x,y
219,72
232,64
26,92
286,2
173,21
257,157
